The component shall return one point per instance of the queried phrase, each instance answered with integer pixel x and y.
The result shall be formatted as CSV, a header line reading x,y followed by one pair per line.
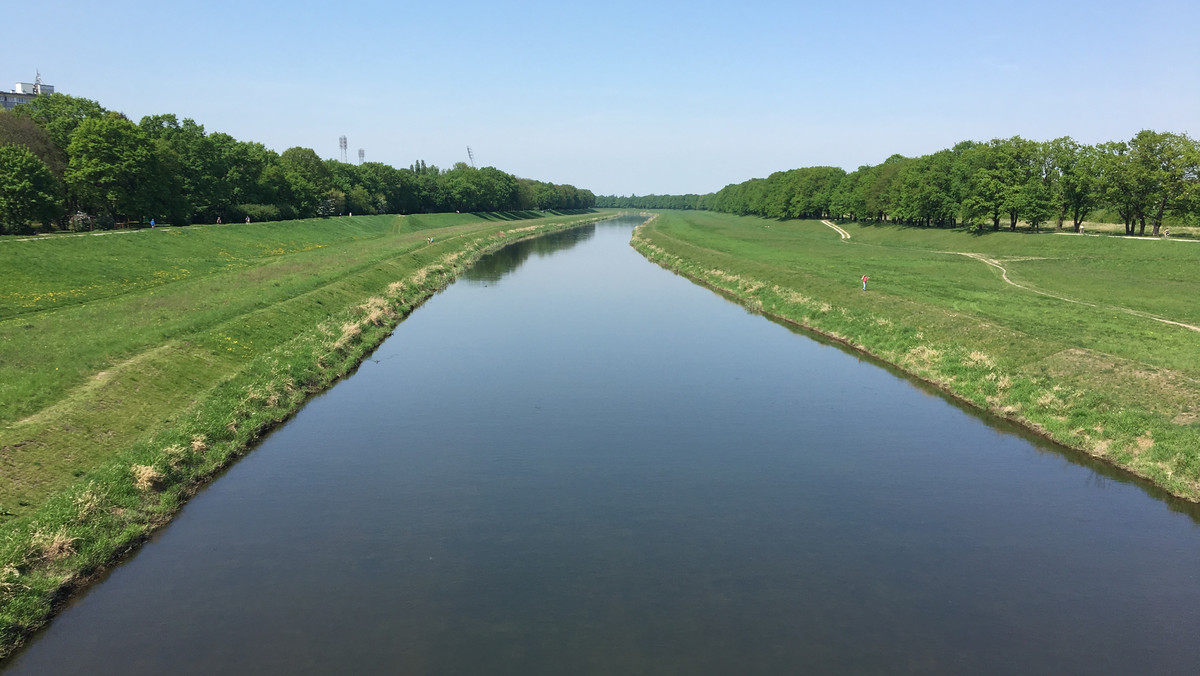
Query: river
x,y
574,462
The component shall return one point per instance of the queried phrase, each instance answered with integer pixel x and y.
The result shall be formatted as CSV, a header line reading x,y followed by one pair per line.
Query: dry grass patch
x,y
1185,418
977,358
924,356
1050,400
87,502
8,580
1163,391
377,311
54,546
175,455
199,443
791,296
145,477
350,332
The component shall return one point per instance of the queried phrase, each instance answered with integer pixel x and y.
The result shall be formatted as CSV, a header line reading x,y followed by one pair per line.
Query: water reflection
x,y
493,267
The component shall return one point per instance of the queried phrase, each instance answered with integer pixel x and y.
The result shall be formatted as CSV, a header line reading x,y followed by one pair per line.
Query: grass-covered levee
x,y
1092,341
134,365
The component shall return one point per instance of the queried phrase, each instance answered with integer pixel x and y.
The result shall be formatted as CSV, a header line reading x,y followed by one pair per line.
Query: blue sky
x,y
625,97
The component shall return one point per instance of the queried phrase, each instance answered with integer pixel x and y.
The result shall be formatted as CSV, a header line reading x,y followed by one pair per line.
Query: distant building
x,y
24,92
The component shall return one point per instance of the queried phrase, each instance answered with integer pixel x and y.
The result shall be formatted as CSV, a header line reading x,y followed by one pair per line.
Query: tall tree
x,y
28,190
1163,168
113,167
1116,183
23,131
308,179
59,115
1078,179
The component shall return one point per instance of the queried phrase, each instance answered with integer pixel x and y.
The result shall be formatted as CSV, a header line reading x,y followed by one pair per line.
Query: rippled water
x,y
574,462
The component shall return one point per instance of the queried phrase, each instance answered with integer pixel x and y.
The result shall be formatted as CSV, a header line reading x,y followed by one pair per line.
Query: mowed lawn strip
x,y
1081,368
77,305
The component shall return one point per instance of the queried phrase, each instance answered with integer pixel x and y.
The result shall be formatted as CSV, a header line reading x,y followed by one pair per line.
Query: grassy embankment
x,y
1078,352
133,366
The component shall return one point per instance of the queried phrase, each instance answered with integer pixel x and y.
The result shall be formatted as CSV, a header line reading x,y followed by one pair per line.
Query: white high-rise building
x,y
24,92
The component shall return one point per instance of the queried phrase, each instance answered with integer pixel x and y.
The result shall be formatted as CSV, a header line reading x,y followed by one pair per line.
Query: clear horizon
x,y
658,97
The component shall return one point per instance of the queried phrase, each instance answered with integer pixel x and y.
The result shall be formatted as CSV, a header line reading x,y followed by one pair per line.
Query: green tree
x,y
114,167
1162,167
246,174
307,178
926,190
1078,179
23,131
1116,183
500,192
29,191
878,196
359,201
201,165
59,115
1001,169
333,203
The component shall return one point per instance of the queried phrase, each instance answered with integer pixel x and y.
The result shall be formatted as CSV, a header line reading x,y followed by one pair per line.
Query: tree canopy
x,y
104,169
1013,180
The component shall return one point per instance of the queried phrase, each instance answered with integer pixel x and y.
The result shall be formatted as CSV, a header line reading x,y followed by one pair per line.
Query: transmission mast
x,y
471,156
342,146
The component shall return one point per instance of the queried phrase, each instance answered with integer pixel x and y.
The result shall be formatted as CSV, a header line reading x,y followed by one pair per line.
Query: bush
x,y
256,212
81,222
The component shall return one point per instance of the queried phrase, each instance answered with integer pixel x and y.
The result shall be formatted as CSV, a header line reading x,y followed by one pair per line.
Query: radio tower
x,y
361,154
342,145
471,156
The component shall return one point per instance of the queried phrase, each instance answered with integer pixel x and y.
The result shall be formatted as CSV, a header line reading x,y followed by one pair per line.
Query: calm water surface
x,y
573,462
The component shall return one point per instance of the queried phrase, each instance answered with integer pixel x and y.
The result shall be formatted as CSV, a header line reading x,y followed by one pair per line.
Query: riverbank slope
x,y
135,367
1093,342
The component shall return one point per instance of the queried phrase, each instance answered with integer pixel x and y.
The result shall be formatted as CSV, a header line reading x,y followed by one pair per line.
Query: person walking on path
x,y
865,278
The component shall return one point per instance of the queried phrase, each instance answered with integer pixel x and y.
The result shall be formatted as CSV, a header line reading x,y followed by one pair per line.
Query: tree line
x,y
67,163
1153,176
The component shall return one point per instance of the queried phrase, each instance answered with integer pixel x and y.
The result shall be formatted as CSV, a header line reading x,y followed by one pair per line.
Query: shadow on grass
x,y
507,215
530,213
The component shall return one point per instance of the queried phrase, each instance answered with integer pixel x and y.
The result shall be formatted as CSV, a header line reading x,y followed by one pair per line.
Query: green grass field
x,y
134,365
1080,346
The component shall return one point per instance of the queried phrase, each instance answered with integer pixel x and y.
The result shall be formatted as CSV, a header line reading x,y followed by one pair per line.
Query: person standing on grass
x,y
865,278
247,220
1166,233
